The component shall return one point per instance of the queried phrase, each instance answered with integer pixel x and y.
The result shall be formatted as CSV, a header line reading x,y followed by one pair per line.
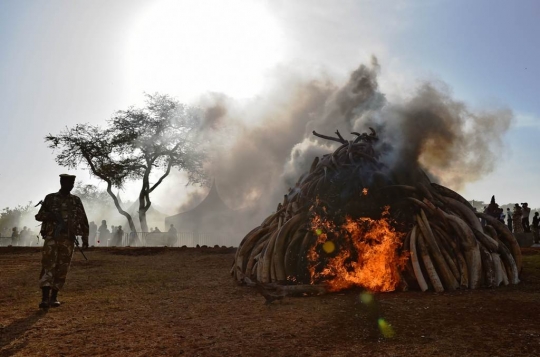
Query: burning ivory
x,y
352,221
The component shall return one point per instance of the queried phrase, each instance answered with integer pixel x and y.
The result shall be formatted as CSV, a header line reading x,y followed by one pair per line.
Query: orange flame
x,y
364,253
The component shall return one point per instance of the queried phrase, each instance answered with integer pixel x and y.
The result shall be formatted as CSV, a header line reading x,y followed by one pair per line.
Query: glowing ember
x,y
364,253
365,191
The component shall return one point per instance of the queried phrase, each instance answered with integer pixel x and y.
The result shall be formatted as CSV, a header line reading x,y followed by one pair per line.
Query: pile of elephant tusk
x,y
446,245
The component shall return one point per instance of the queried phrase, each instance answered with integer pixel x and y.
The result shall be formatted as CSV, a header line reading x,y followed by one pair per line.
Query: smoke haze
x,y
269,141
259,148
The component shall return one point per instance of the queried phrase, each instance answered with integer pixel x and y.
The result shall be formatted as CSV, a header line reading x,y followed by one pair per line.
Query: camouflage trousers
x,y
55,261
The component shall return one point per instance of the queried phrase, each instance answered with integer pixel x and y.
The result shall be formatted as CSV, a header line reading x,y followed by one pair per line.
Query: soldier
x,y
63,219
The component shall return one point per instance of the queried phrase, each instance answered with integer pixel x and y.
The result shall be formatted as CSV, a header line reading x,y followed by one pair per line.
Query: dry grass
x,y
159,301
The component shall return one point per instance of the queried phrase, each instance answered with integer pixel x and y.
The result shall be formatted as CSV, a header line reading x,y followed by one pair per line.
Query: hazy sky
x,y
67,62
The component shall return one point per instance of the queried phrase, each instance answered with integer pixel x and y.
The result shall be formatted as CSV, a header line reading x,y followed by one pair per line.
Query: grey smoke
x,y
444,136
262,147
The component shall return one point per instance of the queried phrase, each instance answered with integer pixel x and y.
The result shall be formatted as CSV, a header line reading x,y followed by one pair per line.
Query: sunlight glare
x,y
191,47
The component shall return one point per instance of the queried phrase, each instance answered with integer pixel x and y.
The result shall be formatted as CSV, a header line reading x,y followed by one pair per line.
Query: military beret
x,y
67,177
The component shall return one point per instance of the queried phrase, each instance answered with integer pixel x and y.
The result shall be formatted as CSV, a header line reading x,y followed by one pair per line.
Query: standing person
x,y
33,237
535,226
23,236
63,218
118,236
14,236
501,215
525,217
92,232
516,217
103,233
171,236
509,219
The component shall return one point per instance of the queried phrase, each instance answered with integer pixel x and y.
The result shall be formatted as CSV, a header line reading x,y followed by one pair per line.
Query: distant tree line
x,y
13,217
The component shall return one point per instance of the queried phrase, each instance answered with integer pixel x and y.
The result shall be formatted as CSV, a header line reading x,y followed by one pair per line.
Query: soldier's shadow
x,y
15,330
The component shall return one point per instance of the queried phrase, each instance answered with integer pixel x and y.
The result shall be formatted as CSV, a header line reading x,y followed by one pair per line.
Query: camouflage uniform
x,y
59,243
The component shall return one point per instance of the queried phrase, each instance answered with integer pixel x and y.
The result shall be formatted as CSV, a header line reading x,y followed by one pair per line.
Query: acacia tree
x,y
136,143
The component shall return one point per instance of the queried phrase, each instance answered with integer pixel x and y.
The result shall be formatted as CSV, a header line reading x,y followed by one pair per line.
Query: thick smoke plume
x,y
268,143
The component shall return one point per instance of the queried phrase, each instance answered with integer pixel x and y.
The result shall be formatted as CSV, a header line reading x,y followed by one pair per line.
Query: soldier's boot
x,y
44,304
53,301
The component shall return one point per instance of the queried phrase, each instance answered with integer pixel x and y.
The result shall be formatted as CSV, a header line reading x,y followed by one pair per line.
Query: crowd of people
x,y
517,220
98,236
102,236
116,236
15,237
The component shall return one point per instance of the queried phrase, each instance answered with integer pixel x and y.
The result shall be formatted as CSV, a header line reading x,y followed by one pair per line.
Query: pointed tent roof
x,y
212,218
133,210
212,203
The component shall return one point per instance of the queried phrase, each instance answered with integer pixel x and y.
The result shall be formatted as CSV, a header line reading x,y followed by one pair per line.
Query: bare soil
x,y
174,301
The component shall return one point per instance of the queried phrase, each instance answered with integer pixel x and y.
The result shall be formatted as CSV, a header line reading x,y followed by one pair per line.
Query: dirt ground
x,y
173,301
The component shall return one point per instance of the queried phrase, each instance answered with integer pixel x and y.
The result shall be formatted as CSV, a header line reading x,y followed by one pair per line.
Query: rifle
x,y
80,249
60,224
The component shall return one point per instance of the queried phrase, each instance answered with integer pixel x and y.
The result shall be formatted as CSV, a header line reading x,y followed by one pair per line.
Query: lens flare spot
x,y
318,232
366,298
386,329
329,246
